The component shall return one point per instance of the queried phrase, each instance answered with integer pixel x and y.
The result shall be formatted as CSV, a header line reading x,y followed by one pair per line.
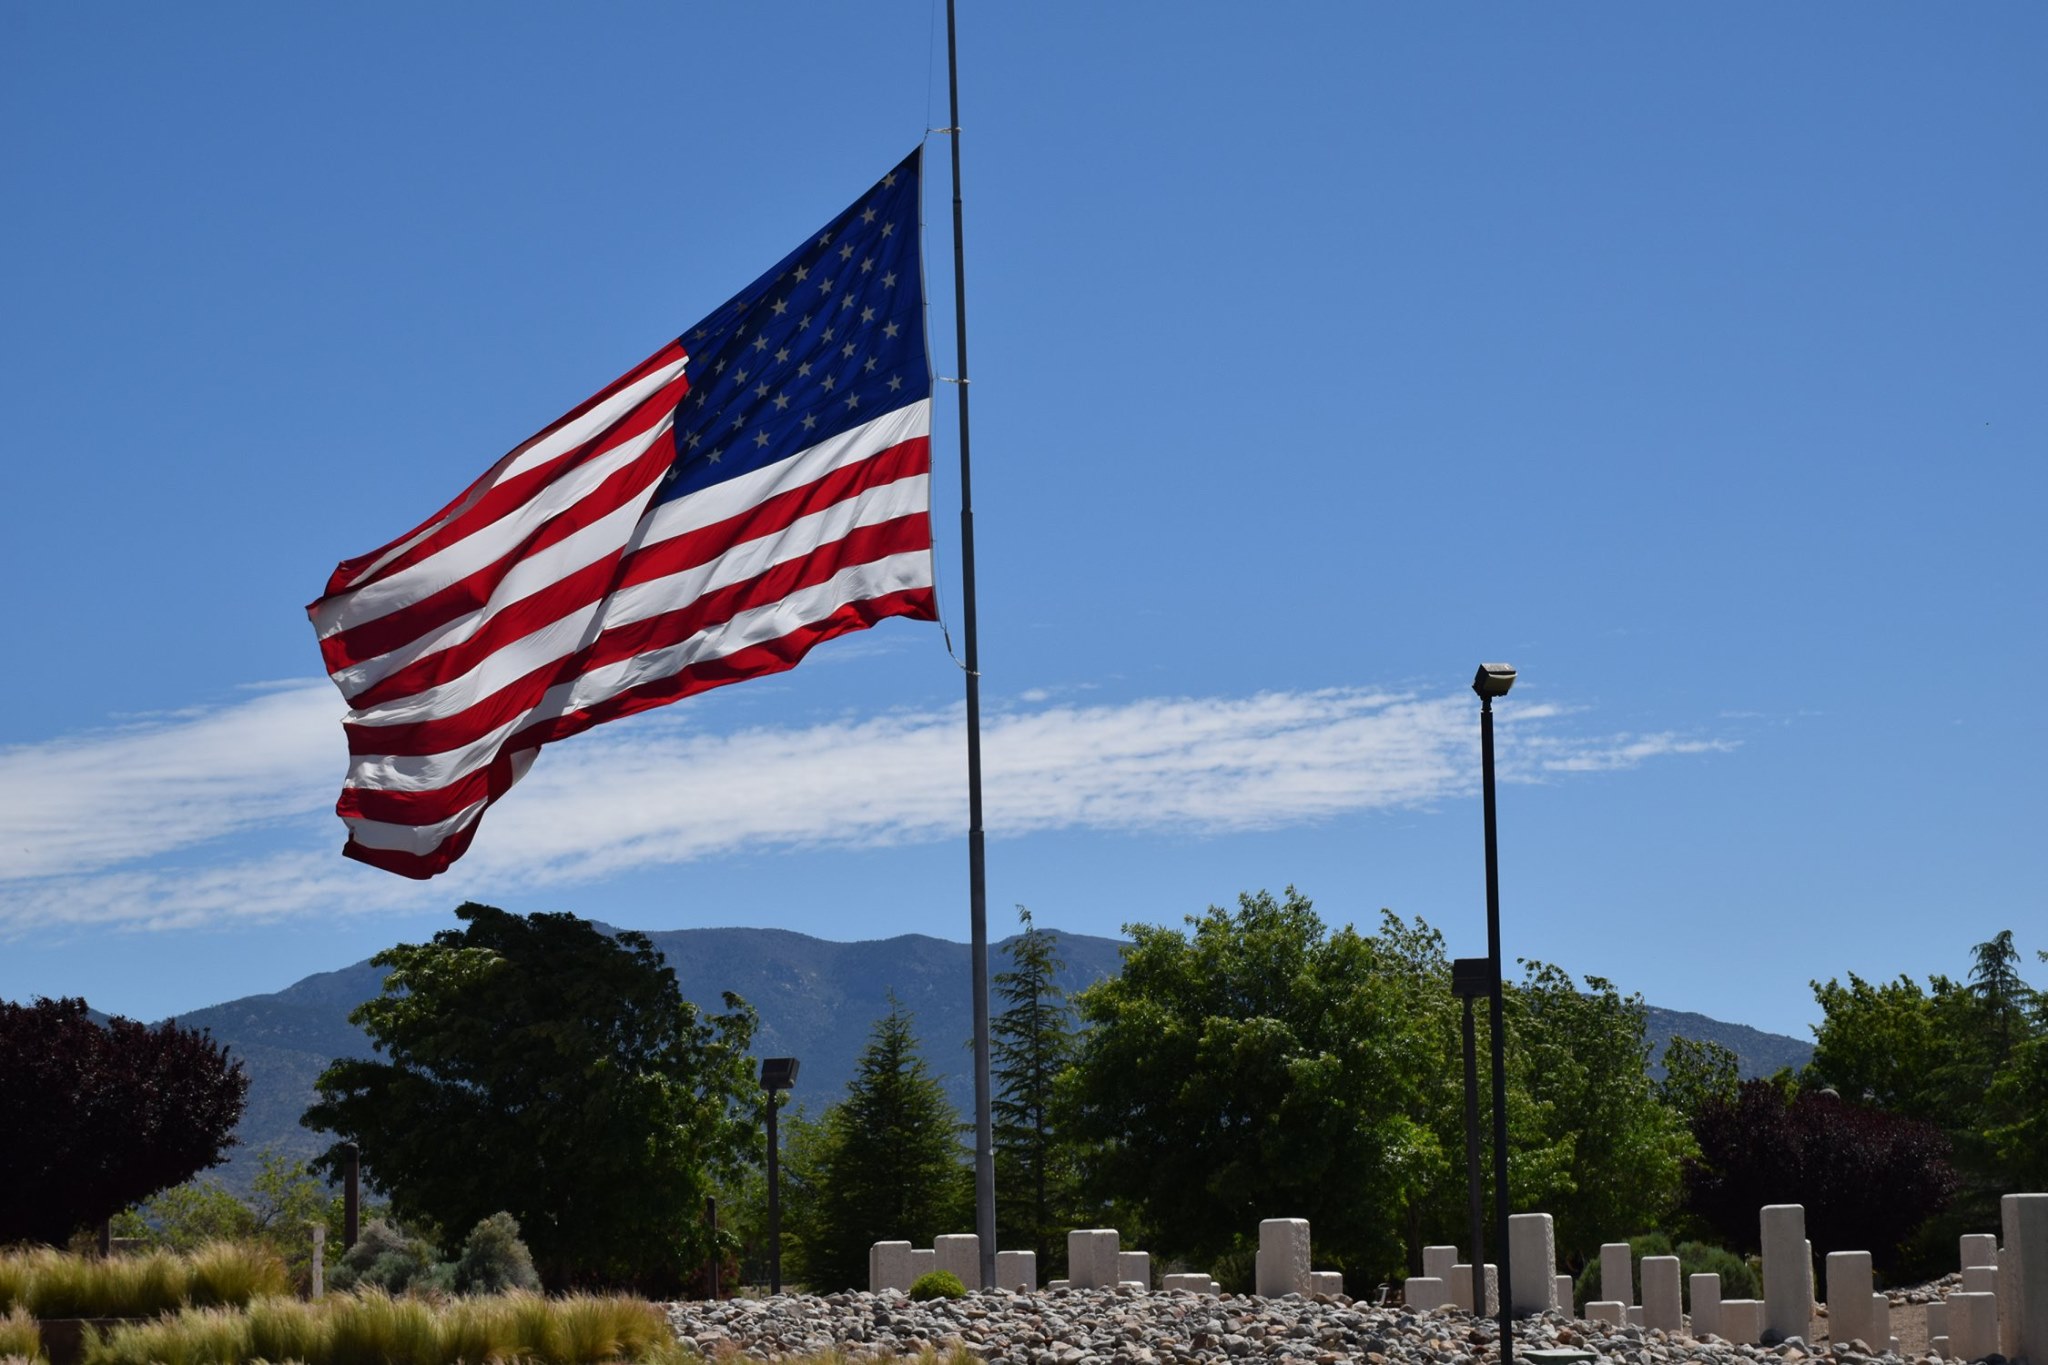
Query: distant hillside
x,y
817,1001
1758,1053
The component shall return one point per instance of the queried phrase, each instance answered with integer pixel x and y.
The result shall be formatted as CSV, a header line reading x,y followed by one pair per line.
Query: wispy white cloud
x,y
223,814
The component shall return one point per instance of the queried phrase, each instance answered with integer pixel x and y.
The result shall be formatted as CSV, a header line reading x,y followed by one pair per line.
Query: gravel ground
x,y
1125,1327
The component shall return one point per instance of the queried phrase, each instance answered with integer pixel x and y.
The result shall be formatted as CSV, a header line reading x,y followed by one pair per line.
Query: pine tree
x,y
1995,977
893,1167
1030,1043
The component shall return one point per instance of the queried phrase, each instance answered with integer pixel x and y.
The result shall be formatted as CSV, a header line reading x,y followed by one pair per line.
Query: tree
x,y
100,1117
1696,1072
1868,1179
539,1066
1261,1063
1596,1147
283,1198
892,1168
1995,977
1030,1042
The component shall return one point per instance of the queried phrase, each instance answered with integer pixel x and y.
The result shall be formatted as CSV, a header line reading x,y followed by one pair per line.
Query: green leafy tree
x,y
1995,977
1696,1072
1031,1041
99,1116
1596,1147
539,1066
285,1198
891,1167
1260,1063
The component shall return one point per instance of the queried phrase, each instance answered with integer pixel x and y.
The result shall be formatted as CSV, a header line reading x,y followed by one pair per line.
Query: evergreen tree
x,y
1995,977
1030,1043
892,1169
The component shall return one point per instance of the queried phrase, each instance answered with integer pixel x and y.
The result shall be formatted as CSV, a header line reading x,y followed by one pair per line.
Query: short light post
x,y
1494,680
1472,977
777,1075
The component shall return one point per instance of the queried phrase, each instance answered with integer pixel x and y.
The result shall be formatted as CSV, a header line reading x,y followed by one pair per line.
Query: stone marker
x,y
1532,1264
1635,1316
1091,1258
1980,1279
888,1266
1283,1257
319,1259
1134,1266
1849,1291
1017,1270
923,1262
1563,1293
1193,1284
1977,1248
1426,1293
1788,1273
1938,1345
960,1253
1617,1273
1329,1282
1461,1288
1610,1311
1051,1285
1663,1304
1437,1262
1742,1321
1706,1305
1937,1320
2008,1299
1972,1326
1881,1338
2025,1219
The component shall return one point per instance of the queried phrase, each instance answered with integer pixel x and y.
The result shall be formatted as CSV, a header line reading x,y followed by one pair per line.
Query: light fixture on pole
x,y
777,1074
1494,680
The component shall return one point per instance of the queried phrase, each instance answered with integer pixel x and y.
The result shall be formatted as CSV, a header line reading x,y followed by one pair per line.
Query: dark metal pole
x,y
711,1261
774,1200
984,1125
1472,1166
1500,1074
351,1194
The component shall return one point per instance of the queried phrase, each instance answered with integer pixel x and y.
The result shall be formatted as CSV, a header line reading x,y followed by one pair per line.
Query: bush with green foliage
x,y
609,1104
938,1284
1738,1277
494,1260
284,1197
384,1257
99,1117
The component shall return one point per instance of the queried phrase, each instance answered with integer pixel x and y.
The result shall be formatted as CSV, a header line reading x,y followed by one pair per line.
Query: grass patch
x,y
55,1284
20,1338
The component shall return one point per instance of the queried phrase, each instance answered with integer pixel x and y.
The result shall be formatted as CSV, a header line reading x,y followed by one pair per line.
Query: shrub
x,y
494,1260
939,1284
1738,1278
20,1338
384,1257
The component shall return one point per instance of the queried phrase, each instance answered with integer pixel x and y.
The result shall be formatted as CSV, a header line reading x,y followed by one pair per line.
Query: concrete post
x,y
1663,1306
1091,1258
1134,1267
1788,1273
1609,1311
1617,1273
1283,1257
1980,1279
1015,1269
1191,1283
960,1253
889,1266
1880,1323
2025,1218
319,1286
923,1261
1706,1305
1532,1264
1977,1248
1425,1293
1437,1262
1972,1326
1562,1293
1461,1289
1849,1290
1937,1320
1330,1282
1742,1321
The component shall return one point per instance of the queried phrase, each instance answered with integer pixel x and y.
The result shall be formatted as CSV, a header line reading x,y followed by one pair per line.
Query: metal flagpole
x,y
984,1125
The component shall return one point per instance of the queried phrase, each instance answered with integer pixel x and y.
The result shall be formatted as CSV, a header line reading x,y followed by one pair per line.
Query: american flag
x,y
676,532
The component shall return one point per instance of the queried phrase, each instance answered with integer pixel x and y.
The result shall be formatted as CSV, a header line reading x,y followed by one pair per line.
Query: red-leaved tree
x,y
1866,1177
99,1117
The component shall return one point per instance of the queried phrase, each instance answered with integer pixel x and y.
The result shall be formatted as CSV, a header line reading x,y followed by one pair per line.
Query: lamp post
x,y
1472,977
777,1074
1494,680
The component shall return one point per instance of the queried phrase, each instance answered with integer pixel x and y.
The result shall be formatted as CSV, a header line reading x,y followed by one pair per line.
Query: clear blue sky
x,y
1689,357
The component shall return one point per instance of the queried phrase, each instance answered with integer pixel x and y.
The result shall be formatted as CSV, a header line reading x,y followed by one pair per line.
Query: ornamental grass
x,y
20,1338
55,1284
